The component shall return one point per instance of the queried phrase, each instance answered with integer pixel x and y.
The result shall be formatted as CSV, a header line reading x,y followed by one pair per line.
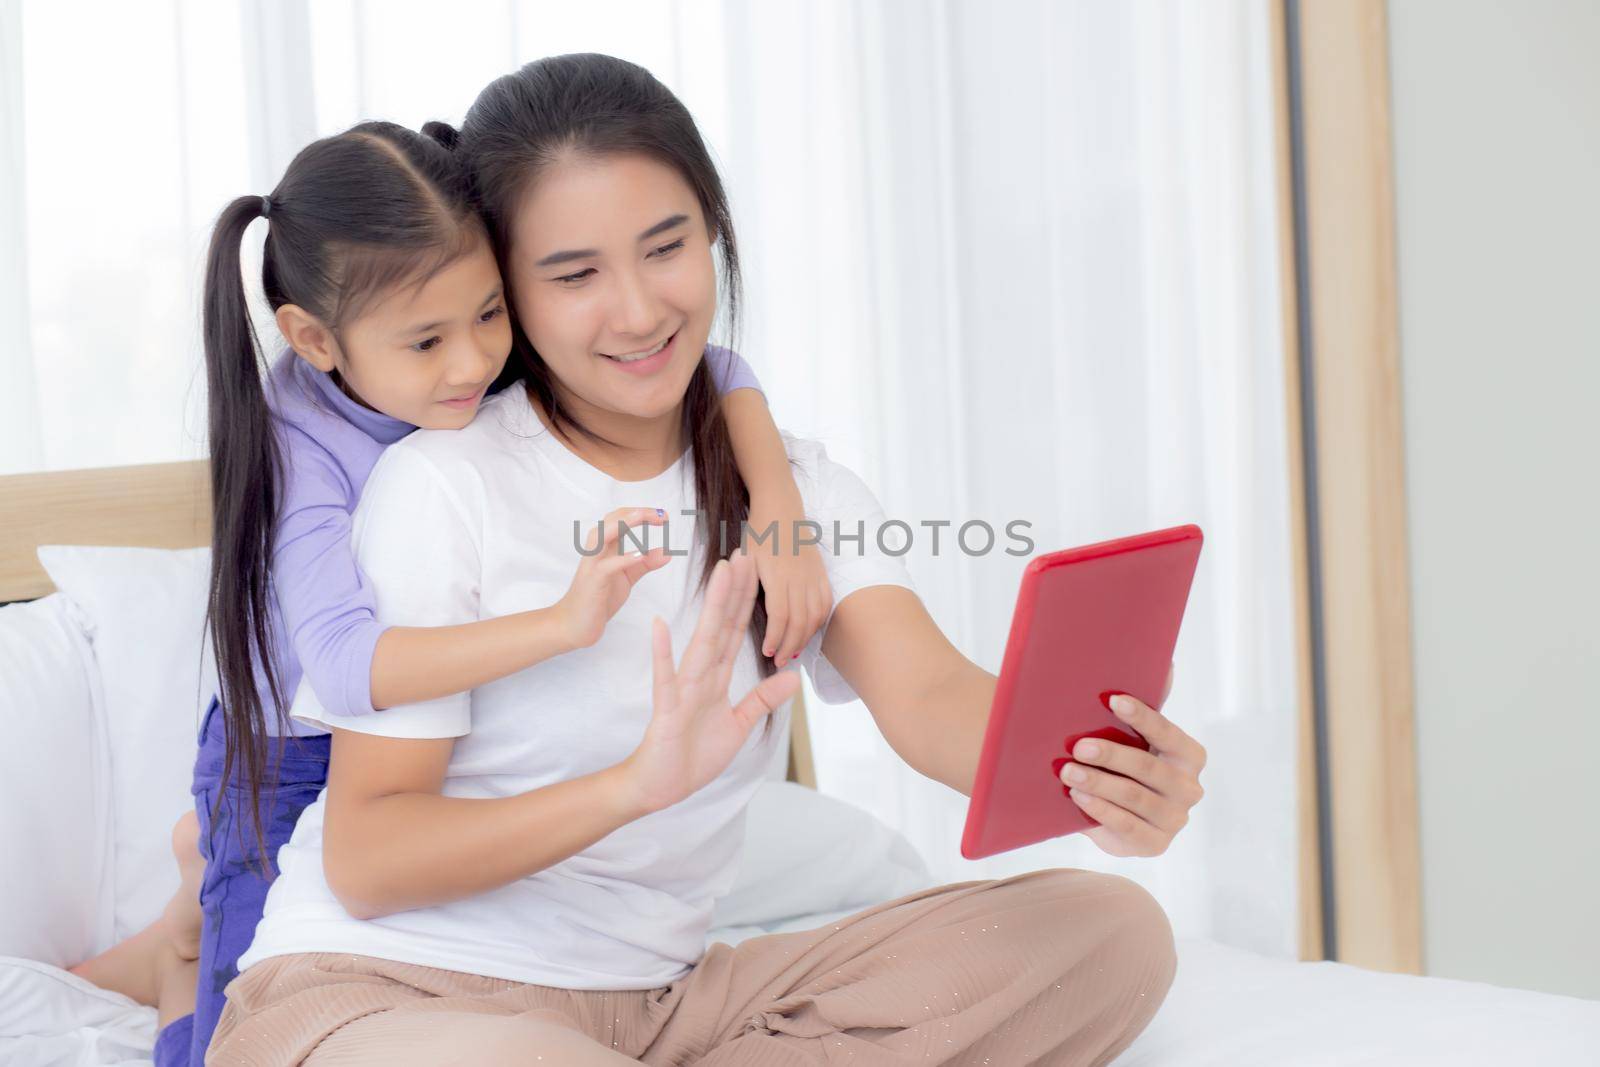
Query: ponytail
x,y
443,132
245,475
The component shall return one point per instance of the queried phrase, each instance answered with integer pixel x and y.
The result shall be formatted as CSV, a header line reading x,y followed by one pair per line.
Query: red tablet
x,y
1090,623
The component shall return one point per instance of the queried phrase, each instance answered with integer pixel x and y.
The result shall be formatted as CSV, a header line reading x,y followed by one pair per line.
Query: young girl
x,y
528,871
384,284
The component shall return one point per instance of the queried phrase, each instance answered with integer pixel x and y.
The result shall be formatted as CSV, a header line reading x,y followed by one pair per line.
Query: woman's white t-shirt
x,y
477,523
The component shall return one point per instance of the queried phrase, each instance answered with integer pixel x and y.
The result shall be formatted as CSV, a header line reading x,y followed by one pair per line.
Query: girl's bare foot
x,y
182,916
143,965
146,968
132,967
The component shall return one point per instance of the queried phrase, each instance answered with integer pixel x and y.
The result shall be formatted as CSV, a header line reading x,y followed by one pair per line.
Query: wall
x,y
1497,159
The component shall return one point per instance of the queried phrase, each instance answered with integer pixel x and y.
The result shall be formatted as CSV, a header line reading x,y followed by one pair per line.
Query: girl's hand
x,y
694,730
605,578
1140,799
799,597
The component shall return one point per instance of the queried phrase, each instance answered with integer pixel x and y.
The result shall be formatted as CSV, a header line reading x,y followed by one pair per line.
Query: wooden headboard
x,y
162,505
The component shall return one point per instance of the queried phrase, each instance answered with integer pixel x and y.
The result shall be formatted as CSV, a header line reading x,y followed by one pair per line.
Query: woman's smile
x,y
646,361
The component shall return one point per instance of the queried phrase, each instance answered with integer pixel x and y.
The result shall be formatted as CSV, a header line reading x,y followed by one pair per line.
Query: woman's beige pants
x,y
1053,967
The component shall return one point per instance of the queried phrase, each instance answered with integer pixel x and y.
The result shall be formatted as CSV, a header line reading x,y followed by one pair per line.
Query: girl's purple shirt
x,y
326,627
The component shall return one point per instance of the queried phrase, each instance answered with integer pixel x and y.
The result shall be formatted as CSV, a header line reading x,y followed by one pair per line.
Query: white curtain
x,y
1010,260
1018,260
19,429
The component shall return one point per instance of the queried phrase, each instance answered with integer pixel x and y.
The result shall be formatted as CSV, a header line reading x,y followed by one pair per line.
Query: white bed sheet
x,y
1227,1006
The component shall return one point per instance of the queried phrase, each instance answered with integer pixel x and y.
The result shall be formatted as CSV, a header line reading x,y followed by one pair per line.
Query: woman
x,y
529,871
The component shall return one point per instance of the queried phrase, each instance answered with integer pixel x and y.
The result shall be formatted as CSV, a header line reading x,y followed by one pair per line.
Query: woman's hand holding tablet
x,y
1071,743
1139,799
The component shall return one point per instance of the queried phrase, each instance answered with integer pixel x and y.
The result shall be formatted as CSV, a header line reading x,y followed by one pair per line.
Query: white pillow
x,y
52,1017
808,854
144,612
55,839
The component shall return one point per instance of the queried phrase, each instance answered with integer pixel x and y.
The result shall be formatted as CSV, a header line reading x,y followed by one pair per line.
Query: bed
x,y
102,679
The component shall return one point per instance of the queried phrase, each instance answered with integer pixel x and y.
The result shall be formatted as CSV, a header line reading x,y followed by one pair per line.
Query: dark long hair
x,y
355,214
599,105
